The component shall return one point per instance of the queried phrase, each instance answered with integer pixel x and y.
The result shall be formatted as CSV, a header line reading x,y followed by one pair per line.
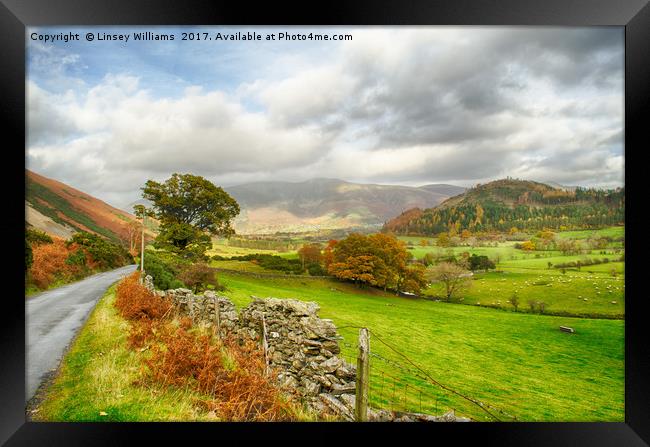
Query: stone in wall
x,y
148,283
201,308
303,348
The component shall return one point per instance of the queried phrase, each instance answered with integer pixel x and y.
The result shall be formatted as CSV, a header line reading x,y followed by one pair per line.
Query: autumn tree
x,y
310,254
380,260
190,209
454,277
131,235
328,253
199,277
443,240
528,246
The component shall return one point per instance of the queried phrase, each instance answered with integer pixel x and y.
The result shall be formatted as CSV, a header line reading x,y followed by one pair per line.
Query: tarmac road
x,y
53,318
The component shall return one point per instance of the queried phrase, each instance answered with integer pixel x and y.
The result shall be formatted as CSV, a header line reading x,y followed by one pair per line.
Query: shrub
x,y
163,270
106,254
37,237
273,262
134,302
316,269
49,264
77,257
29,256
240,393
199,277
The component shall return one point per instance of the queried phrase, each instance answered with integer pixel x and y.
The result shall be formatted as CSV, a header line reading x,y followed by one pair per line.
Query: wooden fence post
x,y
217,316
361,399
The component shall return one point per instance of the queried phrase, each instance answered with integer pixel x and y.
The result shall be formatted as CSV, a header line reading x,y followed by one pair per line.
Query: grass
x,y
97,376
613,232
580,294
519,363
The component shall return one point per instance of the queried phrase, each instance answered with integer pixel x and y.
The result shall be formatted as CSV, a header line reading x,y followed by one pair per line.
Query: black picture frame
x,y
634,15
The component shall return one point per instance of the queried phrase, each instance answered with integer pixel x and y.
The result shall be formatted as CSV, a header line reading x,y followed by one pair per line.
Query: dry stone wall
x,y
301,346
304,348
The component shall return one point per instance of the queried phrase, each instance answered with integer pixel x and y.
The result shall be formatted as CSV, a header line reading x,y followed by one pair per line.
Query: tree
x,y
413,279
328,253
190,209
310,254
528,246
514,300
566,246
132,236
454,277
199,276
443,240
428,259
184,240
380,260
357,269
480,262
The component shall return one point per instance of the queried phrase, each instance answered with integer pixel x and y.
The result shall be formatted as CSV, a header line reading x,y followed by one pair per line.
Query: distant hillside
x,y
61,210
503,204
269,207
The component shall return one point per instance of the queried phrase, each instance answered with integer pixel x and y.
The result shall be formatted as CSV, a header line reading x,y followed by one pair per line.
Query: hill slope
x,y
61,210
327,203
503,204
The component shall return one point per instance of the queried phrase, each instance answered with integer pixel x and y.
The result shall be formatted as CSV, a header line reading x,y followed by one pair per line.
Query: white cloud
x,y
394,105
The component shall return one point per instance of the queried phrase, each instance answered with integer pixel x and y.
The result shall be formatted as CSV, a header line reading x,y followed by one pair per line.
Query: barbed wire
x,y
423,374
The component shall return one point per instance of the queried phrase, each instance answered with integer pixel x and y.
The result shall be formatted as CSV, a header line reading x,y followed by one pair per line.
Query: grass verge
x,y
95,381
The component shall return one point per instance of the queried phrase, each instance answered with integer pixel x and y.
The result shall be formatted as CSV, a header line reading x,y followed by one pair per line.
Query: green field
x,y
581,294
613,232
519,363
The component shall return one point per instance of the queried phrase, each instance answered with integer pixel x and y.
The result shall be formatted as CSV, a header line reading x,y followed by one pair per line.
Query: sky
x,y
394,105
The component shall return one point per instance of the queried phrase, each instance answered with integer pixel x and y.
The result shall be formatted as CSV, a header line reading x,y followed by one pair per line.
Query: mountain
x,y
558,186
275,206
61,210
526,205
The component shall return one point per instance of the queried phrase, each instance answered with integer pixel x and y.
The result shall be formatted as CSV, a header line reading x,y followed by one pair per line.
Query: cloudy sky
x,y
397,105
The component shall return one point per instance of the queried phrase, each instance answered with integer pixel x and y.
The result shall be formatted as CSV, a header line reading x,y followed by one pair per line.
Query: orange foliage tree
x,y
310,253
379,259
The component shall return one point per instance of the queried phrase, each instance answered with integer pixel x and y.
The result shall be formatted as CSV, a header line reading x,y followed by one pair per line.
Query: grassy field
x,y
581,294
96,378
593,291
519,363
613,232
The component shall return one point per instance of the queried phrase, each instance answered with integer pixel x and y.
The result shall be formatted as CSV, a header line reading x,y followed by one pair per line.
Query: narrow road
x,y
53,318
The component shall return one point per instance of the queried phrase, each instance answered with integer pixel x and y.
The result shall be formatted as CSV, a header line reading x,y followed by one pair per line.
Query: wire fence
x,y
397,383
